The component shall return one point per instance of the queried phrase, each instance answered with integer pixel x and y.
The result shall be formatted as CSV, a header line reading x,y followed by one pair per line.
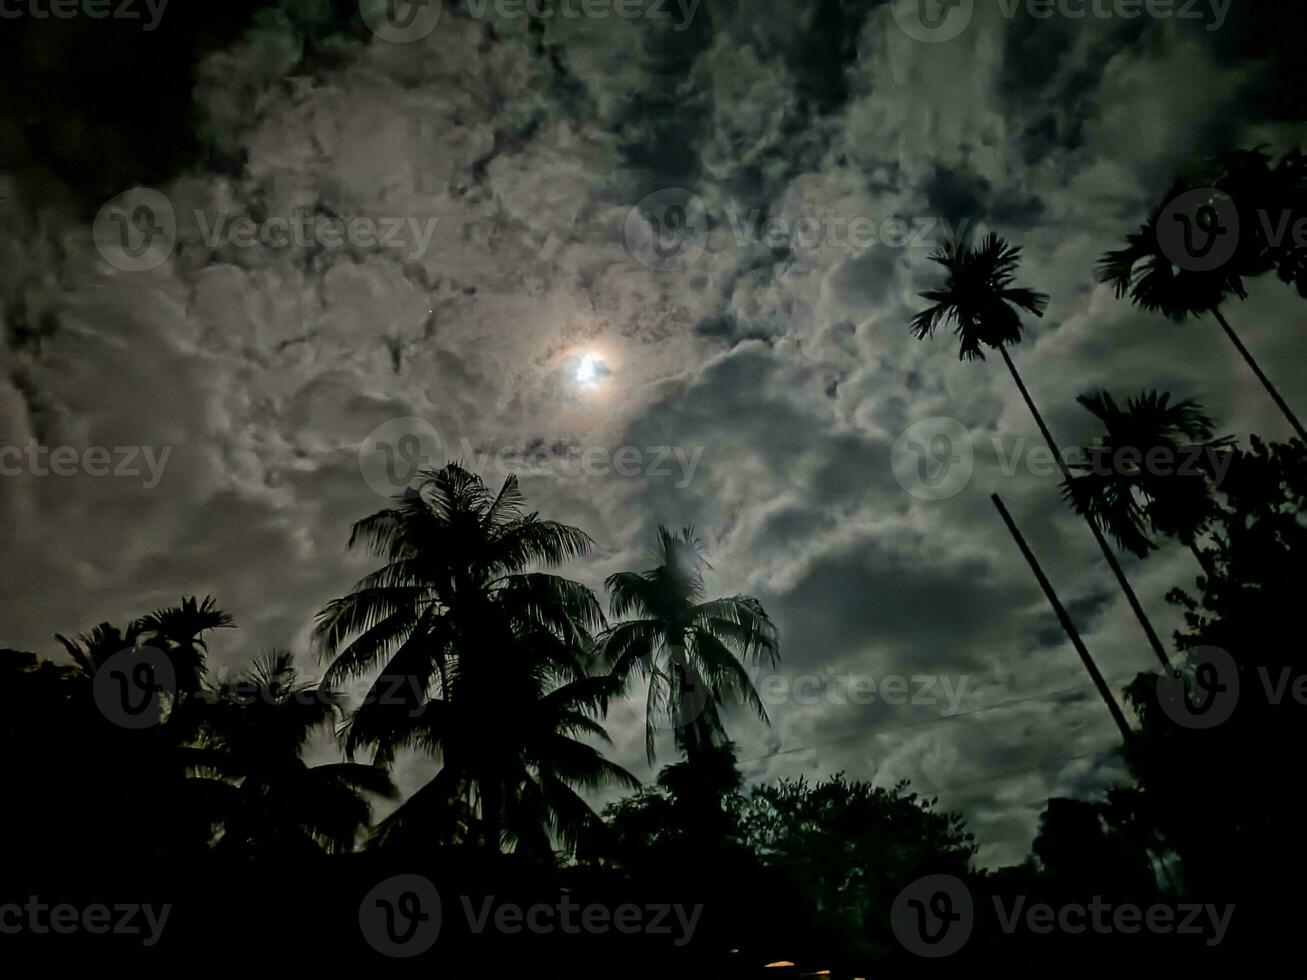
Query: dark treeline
x,y
138,773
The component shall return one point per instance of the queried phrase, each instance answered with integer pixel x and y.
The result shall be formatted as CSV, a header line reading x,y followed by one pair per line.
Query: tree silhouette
x,y
178,631
477,660
984,306
1133,499
692,652
1144,272
255,730
1230,831
1271,200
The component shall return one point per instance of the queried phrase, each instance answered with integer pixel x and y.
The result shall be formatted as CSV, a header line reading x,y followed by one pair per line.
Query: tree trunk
x,y
1065,619
1108,554
1261,376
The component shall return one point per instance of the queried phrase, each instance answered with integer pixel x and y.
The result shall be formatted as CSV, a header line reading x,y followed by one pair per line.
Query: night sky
x,y
760,388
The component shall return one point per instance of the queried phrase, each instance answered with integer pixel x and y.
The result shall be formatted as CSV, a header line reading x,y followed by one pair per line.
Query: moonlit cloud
x,y
761,390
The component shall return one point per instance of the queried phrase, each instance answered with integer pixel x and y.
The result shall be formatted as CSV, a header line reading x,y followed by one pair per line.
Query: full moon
x,y
590,370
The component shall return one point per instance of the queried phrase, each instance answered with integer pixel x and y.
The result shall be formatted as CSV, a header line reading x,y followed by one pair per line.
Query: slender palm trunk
x,y
1108,554
1261,375
1065,619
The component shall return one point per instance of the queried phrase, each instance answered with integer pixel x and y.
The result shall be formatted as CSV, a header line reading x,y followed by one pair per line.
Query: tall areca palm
x,y
981,301
691,651
179,632
1132,499
1144,272
478,659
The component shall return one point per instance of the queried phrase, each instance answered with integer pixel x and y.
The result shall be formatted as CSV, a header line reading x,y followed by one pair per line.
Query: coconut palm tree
x,y
1133,500
476,658
692,652
532,762
980,299
255,731
1144,272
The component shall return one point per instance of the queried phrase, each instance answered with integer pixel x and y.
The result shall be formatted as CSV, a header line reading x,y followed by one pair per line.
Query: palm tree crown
x,y
690,651
979,297
1129,498
1143,271
478,660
